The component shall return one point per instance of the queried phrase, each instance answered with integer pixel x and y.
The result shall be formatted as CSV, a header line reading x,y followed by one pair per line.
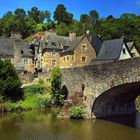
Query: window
x,y
124,51
53,53
53,62
83,59
67,58
83,47
25,61
64,59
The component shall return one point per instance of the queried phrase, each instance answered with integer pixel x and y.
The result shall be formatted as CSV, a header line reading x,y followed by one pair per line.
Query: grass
x,y
35,97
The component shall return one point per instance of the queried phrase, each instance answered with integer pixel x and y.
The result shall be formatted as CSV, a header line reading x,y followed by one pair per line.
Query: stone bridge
x,y
109,89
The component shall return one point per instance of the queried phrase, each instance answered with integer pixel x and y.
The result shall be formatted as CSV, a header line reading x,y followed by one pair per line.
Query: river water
x,y
43,125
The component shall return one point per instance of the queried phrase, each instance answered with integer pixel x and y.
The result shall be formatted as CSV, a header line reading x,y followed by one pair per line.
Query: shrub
x,y
76,112
57,110
56,86
9,81
30,102
34,89
41,82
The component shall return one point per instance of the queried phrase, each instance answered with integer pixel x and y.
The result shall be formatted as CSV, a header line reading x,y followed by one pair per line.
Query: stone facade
x,y
50,59
110,89
82,55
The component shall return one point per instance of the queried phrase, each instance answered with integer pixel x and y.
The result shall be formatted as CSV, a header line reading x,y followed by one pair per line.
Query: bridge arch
x,y
64,91
119,100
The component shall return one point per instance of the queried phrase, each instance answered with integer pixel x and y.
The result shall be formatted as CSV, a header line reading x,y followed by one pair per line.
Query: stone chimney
x,y
72,36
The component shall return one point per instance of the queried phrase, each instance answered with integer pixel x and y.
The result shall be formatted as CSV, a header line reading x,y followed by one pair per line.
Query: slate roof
x,y
74,43
110,49
96,42
53,41
7,48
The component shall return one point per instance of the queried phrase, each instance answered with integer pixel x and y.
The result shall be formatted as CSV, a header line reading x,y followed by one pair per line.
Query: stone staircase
x,y
74,100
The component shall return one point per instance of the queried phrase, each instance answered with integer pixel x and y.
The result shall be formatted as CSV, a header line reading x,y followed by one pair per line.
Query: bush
x,y
34,89
76,112
9,81
41,82
57,110
56,86
34,102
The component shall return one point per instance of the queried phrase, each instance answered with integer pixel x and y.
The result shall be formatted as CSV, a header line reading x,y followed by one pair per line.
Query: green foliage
x,y
57,110
34,89
26,23
56,86
41,82
62,16
77,112
40,27
30,102
9,81
62,29
39,16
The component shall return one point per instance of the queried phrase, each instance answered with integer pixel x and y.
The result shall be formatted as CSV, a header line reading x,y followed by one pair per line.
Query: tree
x,y
128,15
94,16
56,86
62,29
39,16
20,13
9,80
84,18
62,16
35,14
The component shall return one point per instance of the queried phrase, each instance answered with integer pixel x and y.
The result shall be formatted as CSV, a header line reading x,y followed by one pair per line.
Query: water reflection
x,y
132,120
43,125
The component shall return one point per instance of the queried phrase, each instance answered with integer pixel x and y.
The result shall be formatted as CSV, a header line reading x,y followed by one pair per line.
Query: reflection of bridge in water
x,y
110,89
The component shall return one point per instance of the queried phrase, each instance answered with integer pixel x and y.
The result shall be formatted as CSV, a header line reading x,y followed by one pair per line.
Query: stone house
x,y
65,52
79,53
17,51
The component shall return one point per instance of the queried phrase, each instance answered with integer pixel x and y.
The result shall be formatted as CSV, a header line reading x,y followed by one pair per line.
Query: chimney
x,y
72,36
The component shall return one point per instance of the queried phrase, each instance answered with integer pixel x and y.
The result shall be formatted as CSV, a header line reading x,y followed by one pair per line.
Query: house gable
x,y
125,53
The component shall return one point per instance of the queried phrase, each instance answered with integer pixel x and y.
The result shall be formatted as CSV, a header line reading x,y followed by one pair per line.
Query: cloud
x,y
138,2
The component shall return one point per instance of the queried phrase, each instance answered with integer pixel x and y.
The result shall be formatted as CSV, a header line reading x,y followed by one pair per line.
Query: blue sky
x,y
77,7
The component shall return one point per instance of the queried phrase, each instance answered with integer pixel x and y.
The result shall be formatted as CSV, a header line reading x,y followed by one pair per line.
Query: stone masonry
x,y
109,89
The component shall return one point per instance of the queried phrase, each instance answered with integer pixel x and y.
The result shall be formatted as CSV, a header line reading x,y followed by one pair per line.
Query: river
x,y
43,125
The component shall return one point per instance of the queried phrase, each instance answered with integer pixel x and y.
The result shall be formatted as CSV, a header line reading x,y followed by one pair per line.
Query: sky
x,y
77,7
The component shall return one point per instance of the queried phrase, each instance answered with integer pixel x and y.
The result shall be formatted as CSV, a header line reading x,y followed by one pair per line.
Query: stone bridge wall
x,y
99,78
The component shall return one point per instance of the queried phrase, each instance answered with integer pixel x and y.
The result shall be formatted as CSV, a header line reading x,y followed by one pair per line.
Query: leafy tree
x,y
62,29
9,80
94,16
20,13
39,16
128,15
84,18
62,16
56,86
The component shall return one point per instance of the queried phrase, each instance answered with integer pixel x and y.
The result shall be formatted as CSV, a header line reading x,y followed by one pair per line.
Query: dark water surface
x,y
43,125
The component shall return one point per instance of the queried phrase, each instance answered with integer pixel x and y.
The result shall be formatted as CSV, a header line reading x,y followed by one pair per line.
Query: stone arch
x,y
119,100
64,91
